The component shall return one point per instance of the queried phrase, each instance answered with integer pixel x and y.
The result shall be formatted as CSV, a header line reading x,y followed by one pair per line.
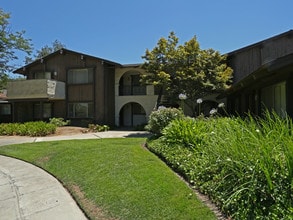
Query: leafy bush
x,y
8,128
245,166
59,122
159,119
98,128
32,129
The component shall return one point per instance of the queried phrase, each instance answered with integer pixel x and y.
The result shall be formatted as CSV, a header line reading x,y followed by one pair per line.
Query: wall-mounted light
x,y
61,51
42,60
81,57
55,73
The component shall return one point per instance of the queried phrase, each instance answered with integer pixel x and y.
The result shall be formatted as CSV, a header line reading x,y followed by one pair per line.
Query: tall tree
x,y
186,69
10,43
45,50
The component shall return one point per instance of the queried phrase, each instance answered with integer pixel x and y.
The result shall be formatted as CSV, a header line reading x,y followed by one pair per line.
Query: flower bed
x,y
245,166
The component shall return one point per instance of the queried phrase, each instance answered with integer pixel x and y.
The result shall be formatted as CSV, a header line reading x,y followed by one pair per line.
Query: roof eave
x,y
21,70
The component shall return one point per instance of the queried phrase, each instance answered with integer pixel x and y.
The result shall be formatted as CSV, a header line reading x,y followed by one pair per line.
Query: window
x,y
5,109
80,76
46,113
80,110
274,98
136,87
43,75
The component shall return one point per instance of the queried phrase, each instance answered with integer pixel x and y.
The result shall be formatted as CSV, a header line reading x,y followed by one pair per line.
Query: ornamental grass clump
x,y
249,165
187,132
244,165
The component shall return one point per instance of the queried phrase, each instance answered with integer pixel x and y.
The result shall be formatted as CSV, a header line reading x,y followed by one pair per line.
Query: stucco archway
x,y
129,84
132,114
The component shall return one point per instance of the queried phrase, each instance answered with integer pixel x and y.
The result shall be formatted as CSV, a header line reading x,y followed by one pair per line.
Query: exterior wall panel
x,y
80,93
259,70
247,60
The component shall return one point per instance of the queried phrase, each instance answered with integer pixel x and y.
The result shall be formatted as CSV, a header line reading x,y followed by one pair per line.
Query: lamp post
x,y
182,97
199,101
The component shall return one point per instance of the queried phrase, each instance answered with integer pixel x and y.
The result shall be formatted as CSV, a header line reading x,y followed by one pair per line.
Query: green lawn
x,y
115,178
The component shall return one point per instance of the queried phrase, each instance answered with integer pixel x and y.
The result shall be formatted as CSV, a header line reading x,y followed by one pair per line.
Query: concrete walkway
x,y
8,140
29,193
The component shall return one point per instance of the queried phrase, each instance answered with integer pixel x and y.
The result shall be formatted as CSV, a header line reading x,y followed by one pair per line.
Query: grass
x,y
115,178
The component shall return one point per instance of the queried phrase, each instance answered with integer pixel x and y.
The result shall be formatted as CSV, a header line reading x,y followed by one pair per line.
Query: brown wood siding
x,y
80,93
276,48
246,61
109,72
99,93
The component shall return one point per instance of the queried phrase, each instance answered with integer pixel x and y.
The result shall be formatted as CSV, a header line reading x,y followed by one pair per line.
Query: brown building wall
x,y
100,92
22,111
249,59
109,72
80,93
60,109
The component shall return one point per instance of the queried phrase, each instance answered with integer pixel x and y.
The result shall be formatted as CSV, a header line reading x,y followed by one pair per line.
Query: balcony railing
x,y
36,89
132,90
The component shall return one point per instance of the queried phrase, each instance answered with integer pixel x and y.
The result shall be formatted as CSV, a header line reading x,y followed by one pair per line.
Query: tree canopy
x,y
185,69
10,43
45,50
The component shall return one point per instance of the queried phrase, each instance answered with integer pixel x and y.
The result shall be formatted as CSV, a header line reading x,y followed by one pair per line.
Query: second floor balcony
x,y
132,90
36,89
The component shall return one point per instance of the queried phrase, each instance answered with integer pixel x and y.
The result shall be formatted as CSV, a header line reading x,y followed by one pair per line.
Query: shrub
x,y
159,119
33,129
59,122
8,128
245,166
39,128
98,128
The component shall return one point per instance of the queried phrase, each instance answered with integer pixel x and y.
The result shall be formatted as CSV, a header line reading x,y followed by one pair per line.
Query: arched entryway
x,y
132,114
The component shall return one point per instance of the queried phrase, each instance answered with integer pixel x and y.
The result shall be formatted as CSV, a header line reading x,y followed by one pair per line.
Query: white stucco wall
x,y
147,101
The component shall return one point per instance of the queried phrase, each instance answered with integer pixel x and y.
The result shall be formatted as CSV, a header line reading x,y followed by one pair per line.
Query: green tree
x,y
10,43
187,69
44,51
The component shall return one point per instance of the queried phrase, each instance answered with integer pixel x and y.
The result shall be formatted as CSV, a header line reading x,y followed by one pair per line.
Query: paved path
x,y
29,193
7,140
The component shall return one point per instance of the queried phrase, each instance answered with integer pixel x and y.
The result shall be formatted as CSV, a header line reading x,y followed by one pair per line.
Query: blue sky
x,y
121,31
